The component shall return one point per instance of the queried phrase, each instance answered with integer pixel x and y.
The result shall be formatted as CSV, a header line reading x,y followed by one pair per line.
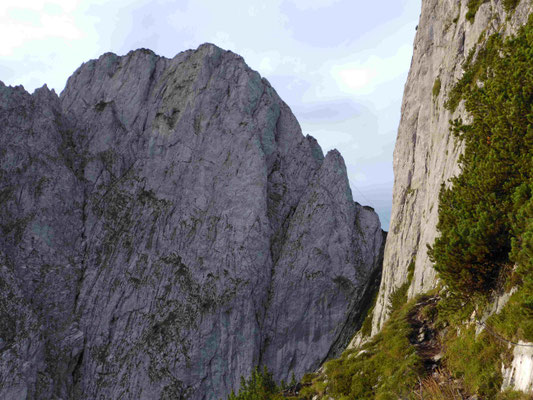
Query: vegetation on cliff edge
x,y
480,234
485,247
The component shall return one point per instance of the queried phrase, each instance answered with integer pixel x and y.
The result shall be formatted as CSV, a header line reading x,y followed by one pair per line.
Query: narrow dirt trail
x,y
423,334
425,338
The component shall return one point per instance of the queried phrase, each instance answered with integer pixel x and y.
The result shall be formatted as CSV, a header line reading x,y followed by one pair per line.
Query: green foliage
x,y
486,214
453,310
476,223
512,395
522,240
399,296
260,386
436,87
473,6
387,367
510,5
476,360
515,321
465,83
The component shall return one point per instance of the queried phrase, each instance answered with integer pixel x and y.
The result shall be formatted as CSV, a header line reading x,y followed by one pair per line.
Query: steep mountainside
x,y
166,227
453,318
426,153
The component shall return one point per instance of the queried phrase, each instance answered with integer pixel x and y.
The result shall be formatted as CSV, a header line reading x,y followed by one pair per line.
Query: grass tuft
x,y
436,87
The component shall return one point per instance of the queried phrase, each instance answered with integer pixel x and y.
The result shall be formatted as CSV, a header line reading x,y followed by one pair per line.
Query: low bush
x,y
473,6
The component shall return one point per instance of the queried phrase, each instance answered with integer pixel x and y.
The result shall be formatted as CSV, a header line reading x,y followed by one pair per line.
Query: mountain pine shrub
x,y
259,386
480,231
399,296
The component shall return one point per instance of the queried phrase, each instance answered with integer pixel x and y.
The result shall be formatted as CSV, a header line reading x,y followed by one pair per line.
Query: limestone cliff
x,y
426,154
165,228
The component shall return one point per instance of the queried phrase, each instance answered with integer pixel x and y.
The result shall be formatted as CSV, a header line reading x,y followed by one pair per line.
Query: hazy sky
x,y
340,64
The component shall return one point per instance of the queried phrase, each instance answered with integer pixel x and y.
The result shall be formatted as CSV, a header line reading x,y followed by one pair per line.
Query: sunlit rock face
x,y
519,375
426,154
165,228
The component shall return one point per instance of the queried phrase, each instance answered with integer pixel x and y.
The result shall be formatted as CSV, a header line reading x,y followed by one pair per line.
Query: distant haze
x,y
339,64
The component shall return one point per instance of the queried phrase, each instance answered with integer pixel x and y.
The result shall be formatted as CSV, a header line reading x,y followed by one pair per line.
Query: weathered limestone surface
x,y
426,154
166,227
41,237
519,376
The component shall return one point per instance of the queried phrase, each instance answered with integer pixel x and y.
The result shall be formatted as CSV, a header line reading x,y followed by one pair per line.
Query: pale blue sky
x,y
340,64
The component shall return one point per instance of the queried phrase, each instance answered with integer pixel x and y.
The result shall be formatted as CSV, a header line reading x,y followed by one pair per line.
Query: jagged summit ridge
x,y
179,229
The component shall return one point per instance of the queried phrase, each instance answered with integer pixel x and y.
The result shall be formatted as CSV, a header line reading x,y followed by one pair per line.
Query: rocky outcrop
x,y
519,375
167,227
41,219
426,154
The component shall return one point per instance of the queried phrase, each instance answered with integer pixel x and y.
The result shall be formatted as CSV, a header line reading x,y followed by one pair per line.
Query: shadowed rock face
x,y
166,227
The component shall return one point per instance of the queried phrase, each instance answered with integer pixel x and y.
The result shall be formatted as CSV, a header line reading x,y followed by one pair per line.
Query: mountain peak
x,y
190,230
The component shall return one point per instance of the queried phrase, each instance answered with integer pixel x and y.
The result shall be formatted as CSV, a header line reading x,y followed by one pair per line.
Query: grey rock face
x,y
40,220
426,154
166,228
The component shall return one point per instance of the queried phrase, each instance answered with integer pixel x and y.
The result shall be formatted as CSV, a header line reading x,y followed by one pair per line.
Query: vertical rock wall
x,y
426,154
